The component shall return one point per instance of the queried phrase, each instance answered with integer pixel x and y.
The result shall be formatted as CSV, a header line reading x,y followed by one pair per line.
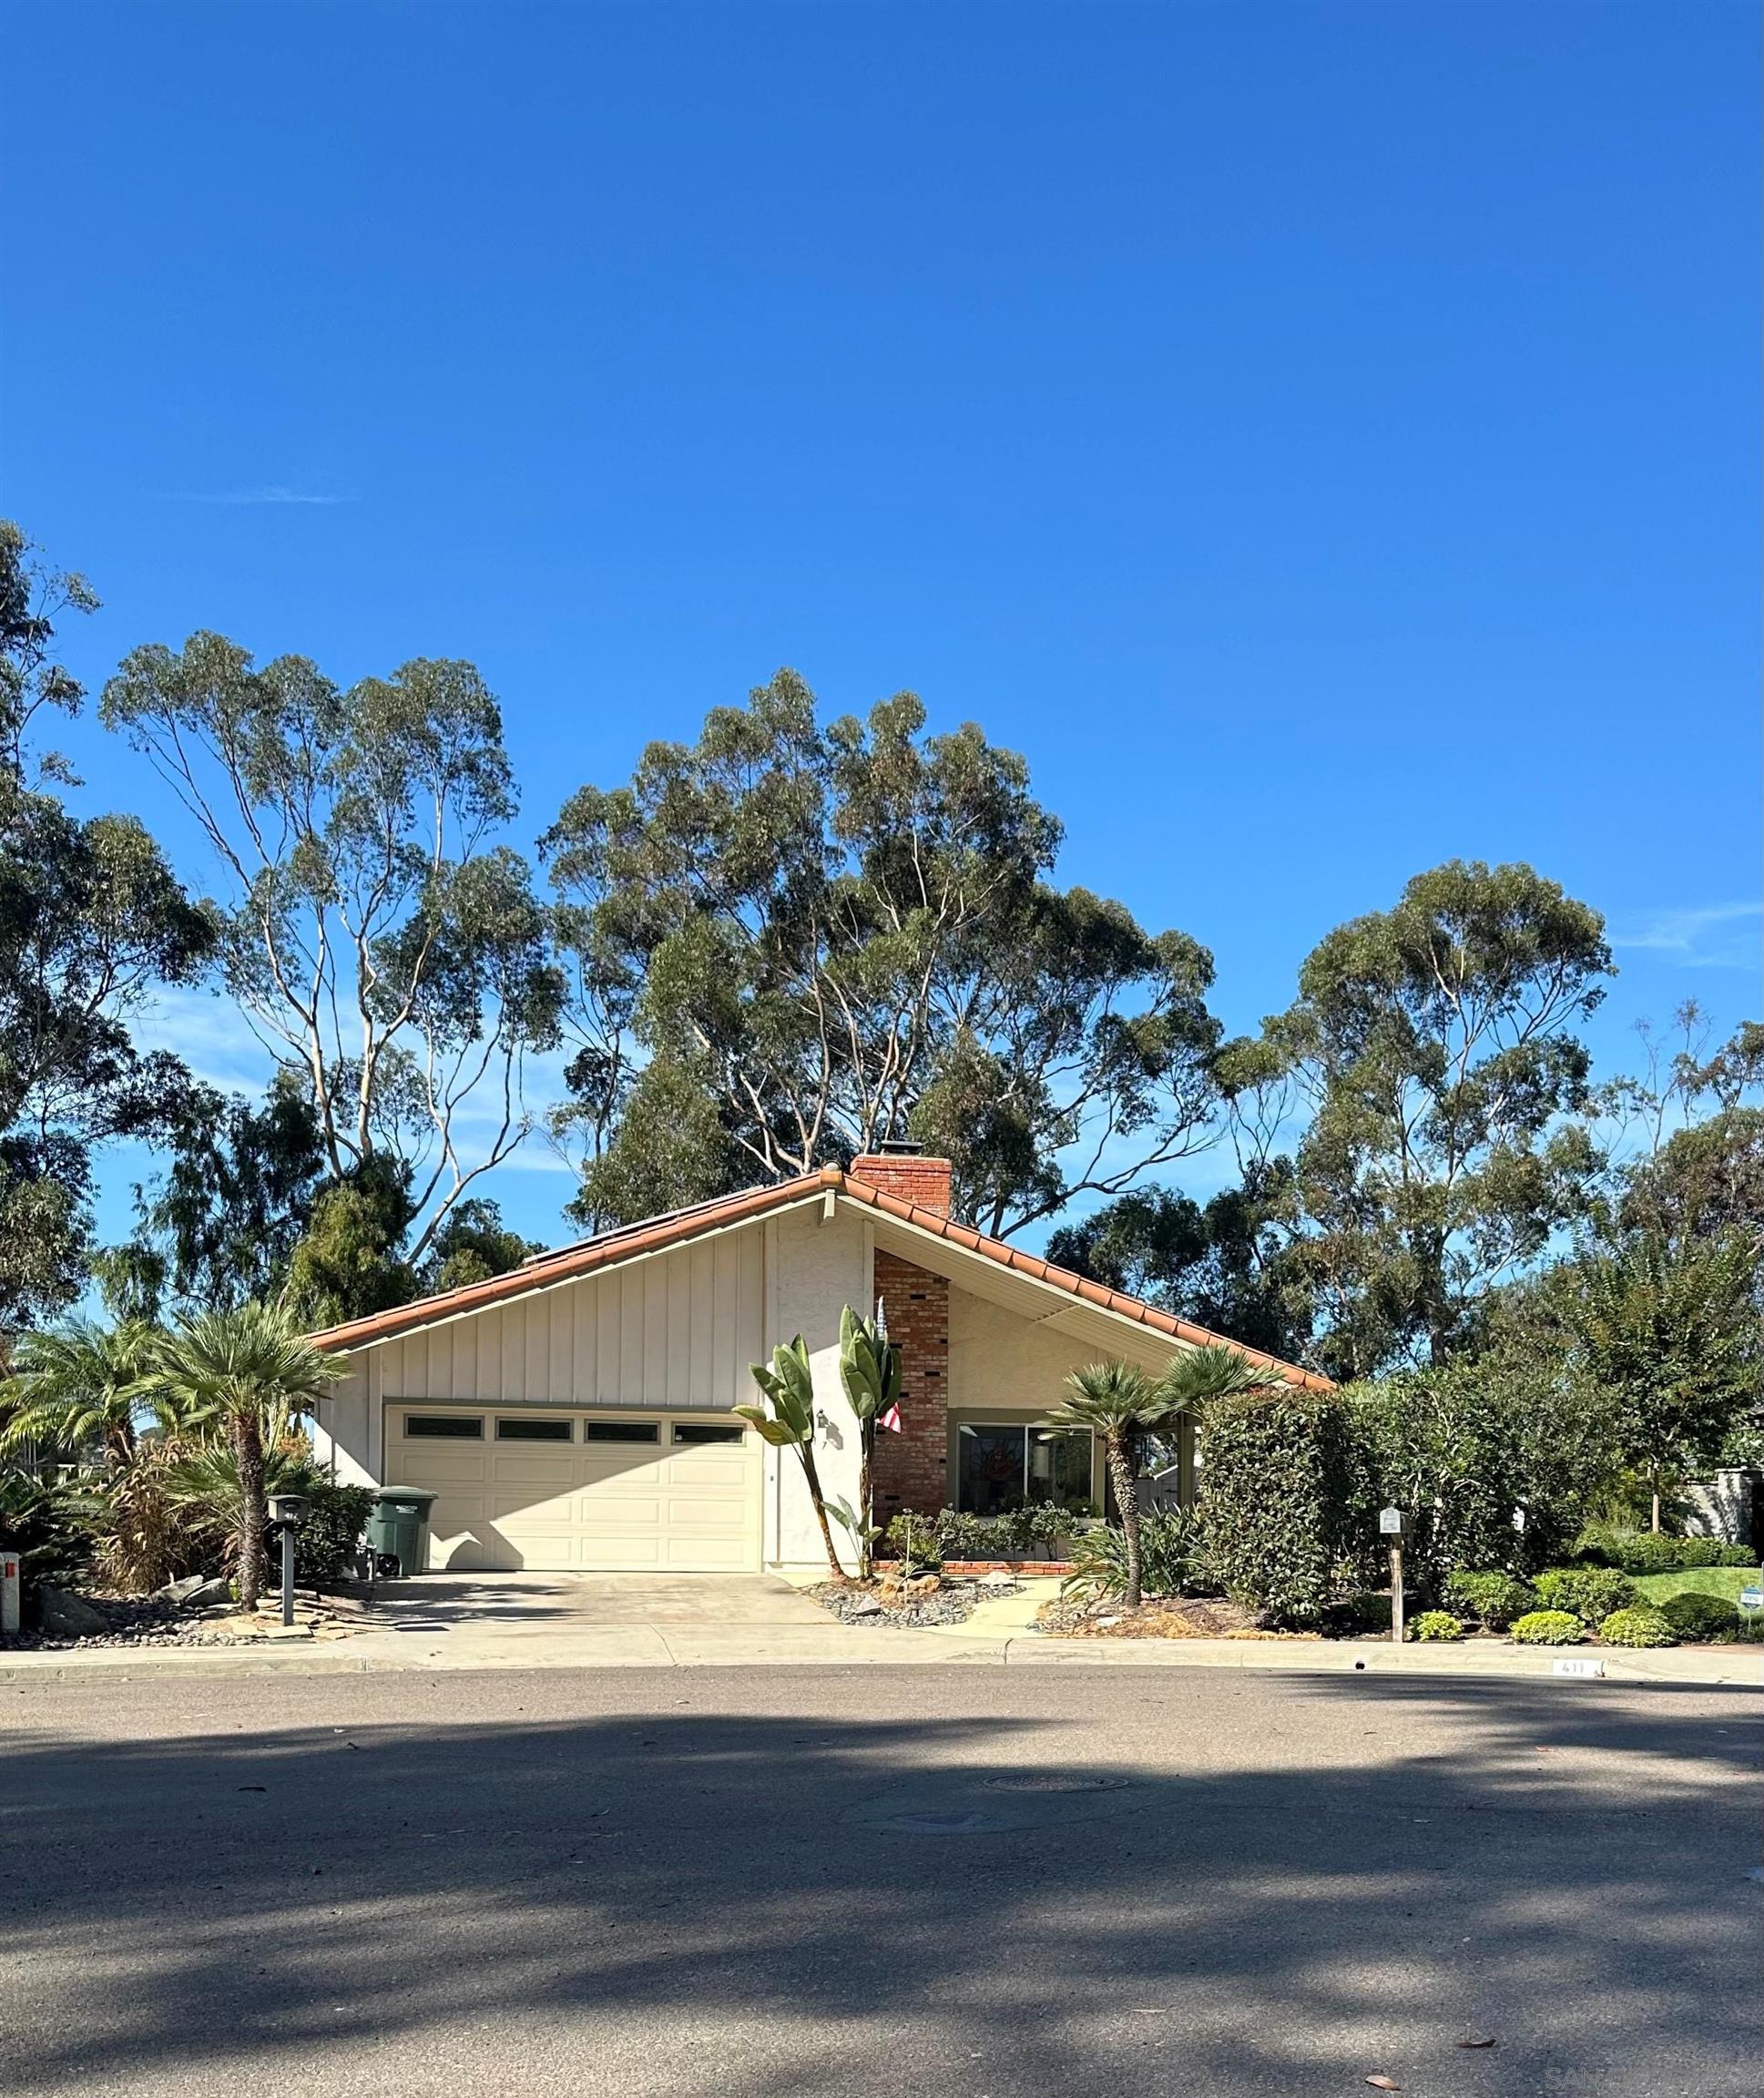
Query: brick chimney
x,y
908,1175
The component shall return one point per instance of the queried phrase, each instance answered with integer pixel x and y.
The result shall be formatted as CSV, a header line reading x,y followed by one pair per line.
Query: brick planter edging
x,y
964,1568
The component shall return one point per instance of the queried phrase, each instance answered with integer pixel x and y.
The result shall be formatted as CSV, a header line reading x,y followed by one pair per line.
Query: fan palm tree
x,y
1199,1375
80,1387
1116,1402
241,1373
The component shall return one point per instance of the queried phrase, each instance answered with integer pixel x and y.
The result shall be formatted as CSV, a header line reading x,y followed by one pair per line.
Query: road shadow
x,y
1143,1883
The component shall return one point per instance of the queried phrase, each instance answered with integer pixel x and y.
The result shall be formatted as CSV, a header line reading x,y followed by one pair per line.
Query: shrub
x,y
1436,1625
49,1524
1494,1600
1548,1628
326,1541
1695,1617
1645,1551
1169,1556
1592,1593
1365,1615
916,1534
1641,1626
1275,1493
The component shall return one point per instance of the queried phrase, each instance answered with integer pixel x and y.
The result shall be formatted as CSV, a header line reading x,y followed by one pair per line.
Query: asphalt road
x,y
885,1883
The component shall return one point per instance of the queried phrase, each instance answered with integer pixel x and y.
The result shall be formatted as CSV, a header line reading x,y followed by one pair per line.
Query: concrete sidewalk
x,y
793,1632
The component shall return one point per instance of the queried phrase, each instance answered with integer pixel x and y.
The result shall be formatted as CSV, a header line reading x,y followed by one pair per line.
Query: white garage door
x,y
660,1493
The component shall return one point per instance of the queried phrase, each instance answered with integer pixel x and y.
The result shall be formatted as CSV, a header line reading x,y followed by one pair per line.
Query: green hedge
x,y
1592,1593
1494,1600
1695,1617
1276,1495
1645,1551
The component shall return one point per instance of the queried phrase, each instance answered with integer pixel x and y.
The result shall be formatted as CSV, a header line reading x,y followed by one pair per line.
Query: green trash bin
x,y
398,1525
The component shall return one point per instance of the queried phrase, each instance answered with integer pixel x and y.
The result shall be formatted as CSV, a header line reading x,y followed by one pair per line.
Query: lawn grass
x,y
1723,1580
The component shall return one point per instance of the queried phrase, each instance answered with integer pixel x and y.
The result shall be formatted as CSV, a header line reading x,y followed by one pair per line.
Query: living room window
x,y
1001,1466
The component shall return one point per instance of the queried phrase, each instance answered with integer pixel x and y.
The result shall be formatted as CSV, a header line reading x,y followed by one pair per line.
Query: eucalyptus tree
x,y
1433,1088
381,941
92,923
789,944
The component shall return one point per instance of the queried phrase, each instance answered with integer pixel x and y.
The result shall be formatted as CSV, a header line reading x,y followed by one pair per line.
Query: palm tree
x,y
79,1387
1199,1375
243,1372
1116,1401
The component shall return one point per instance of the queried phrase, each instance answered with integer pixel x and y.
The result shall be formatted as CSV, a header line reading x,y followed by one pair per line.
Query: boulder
x,y
207,1593
863,1606
66,1617
182,1590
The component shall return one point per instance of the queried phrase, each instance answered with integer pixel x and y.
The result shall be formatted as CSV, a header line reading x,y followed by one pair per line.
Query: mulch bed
x,y
1158,1617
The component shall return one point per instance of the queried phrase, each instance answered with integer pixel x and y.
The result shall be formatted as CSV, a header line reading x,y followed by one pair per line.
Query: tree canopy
x,y
92,921
1434,1073
788,943
381,938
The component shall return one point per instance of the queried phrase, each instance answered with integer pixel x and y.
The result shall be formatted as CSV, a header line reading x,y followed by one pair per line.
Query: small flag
x,y
891,1419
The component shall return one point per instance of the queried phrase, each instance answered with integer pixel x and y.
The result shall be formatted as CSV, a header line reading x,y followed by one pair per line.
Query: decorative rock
x,y
998,1580
183,1590
66,1617
206,1594
863,1606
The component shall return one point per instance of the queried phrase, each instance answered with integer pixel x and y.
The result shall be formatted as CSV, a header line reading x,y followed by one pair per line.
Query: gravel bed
x,y
952,1604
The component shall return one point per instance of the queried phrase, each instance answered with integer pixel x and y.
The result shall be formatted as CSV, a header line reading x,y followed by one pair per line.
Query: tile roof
x,y
570,1263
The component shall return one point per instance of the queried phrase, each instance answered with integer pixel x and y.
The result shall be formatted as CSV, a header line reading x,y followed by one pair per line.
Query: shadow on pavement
x,y
1123,1884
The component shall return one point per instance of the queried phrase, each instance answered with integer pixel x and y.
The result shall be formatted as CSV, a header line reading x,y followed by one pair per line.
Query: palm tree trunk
x,y
866,1447
1120,1474
253,1515
813,1478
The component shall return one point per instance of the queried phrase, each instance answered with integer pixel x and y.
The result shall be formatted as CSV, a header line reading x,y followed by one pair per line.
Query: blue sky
x,y
1322,438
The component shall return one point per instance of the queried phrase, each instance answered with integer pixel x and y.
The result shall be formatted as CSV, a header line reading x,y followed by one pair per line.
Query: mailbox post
x,y
1393,1527
285,1513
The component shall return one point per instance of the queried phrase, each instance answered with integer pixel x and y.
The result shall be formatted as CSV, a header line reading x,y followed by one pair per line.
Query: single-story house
x,y
576,1413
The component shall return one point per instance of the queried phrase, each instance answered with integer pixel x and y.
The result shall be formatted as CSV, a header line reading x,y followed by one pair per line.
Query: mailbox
x,y
1392,1523
286,1508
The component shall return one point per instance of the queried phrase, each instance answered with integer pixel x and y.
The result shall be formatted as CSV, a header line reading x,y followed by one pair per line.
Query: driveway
x,y
877,1883
560,1620
564,1603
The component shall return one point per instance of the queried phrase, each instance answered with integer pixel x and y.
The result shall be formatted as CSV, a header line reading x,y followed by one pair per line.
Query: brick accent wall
x,y
908,1175
911,1468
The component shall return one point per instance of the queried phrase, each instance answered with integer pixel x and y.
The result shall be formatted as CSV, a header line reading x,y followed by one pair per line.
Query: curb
x,y
964,1647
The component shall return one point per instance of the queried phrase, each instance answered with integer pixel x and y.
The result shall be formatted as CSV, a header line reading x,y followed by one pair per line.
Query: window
x,y
533,1431
620,1431
445,1427
1000,1468
708,1432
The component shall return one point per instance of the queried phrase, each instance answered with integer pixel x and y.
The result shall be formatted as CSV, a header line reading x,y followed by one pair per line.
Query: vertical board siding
x,y
677,1330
